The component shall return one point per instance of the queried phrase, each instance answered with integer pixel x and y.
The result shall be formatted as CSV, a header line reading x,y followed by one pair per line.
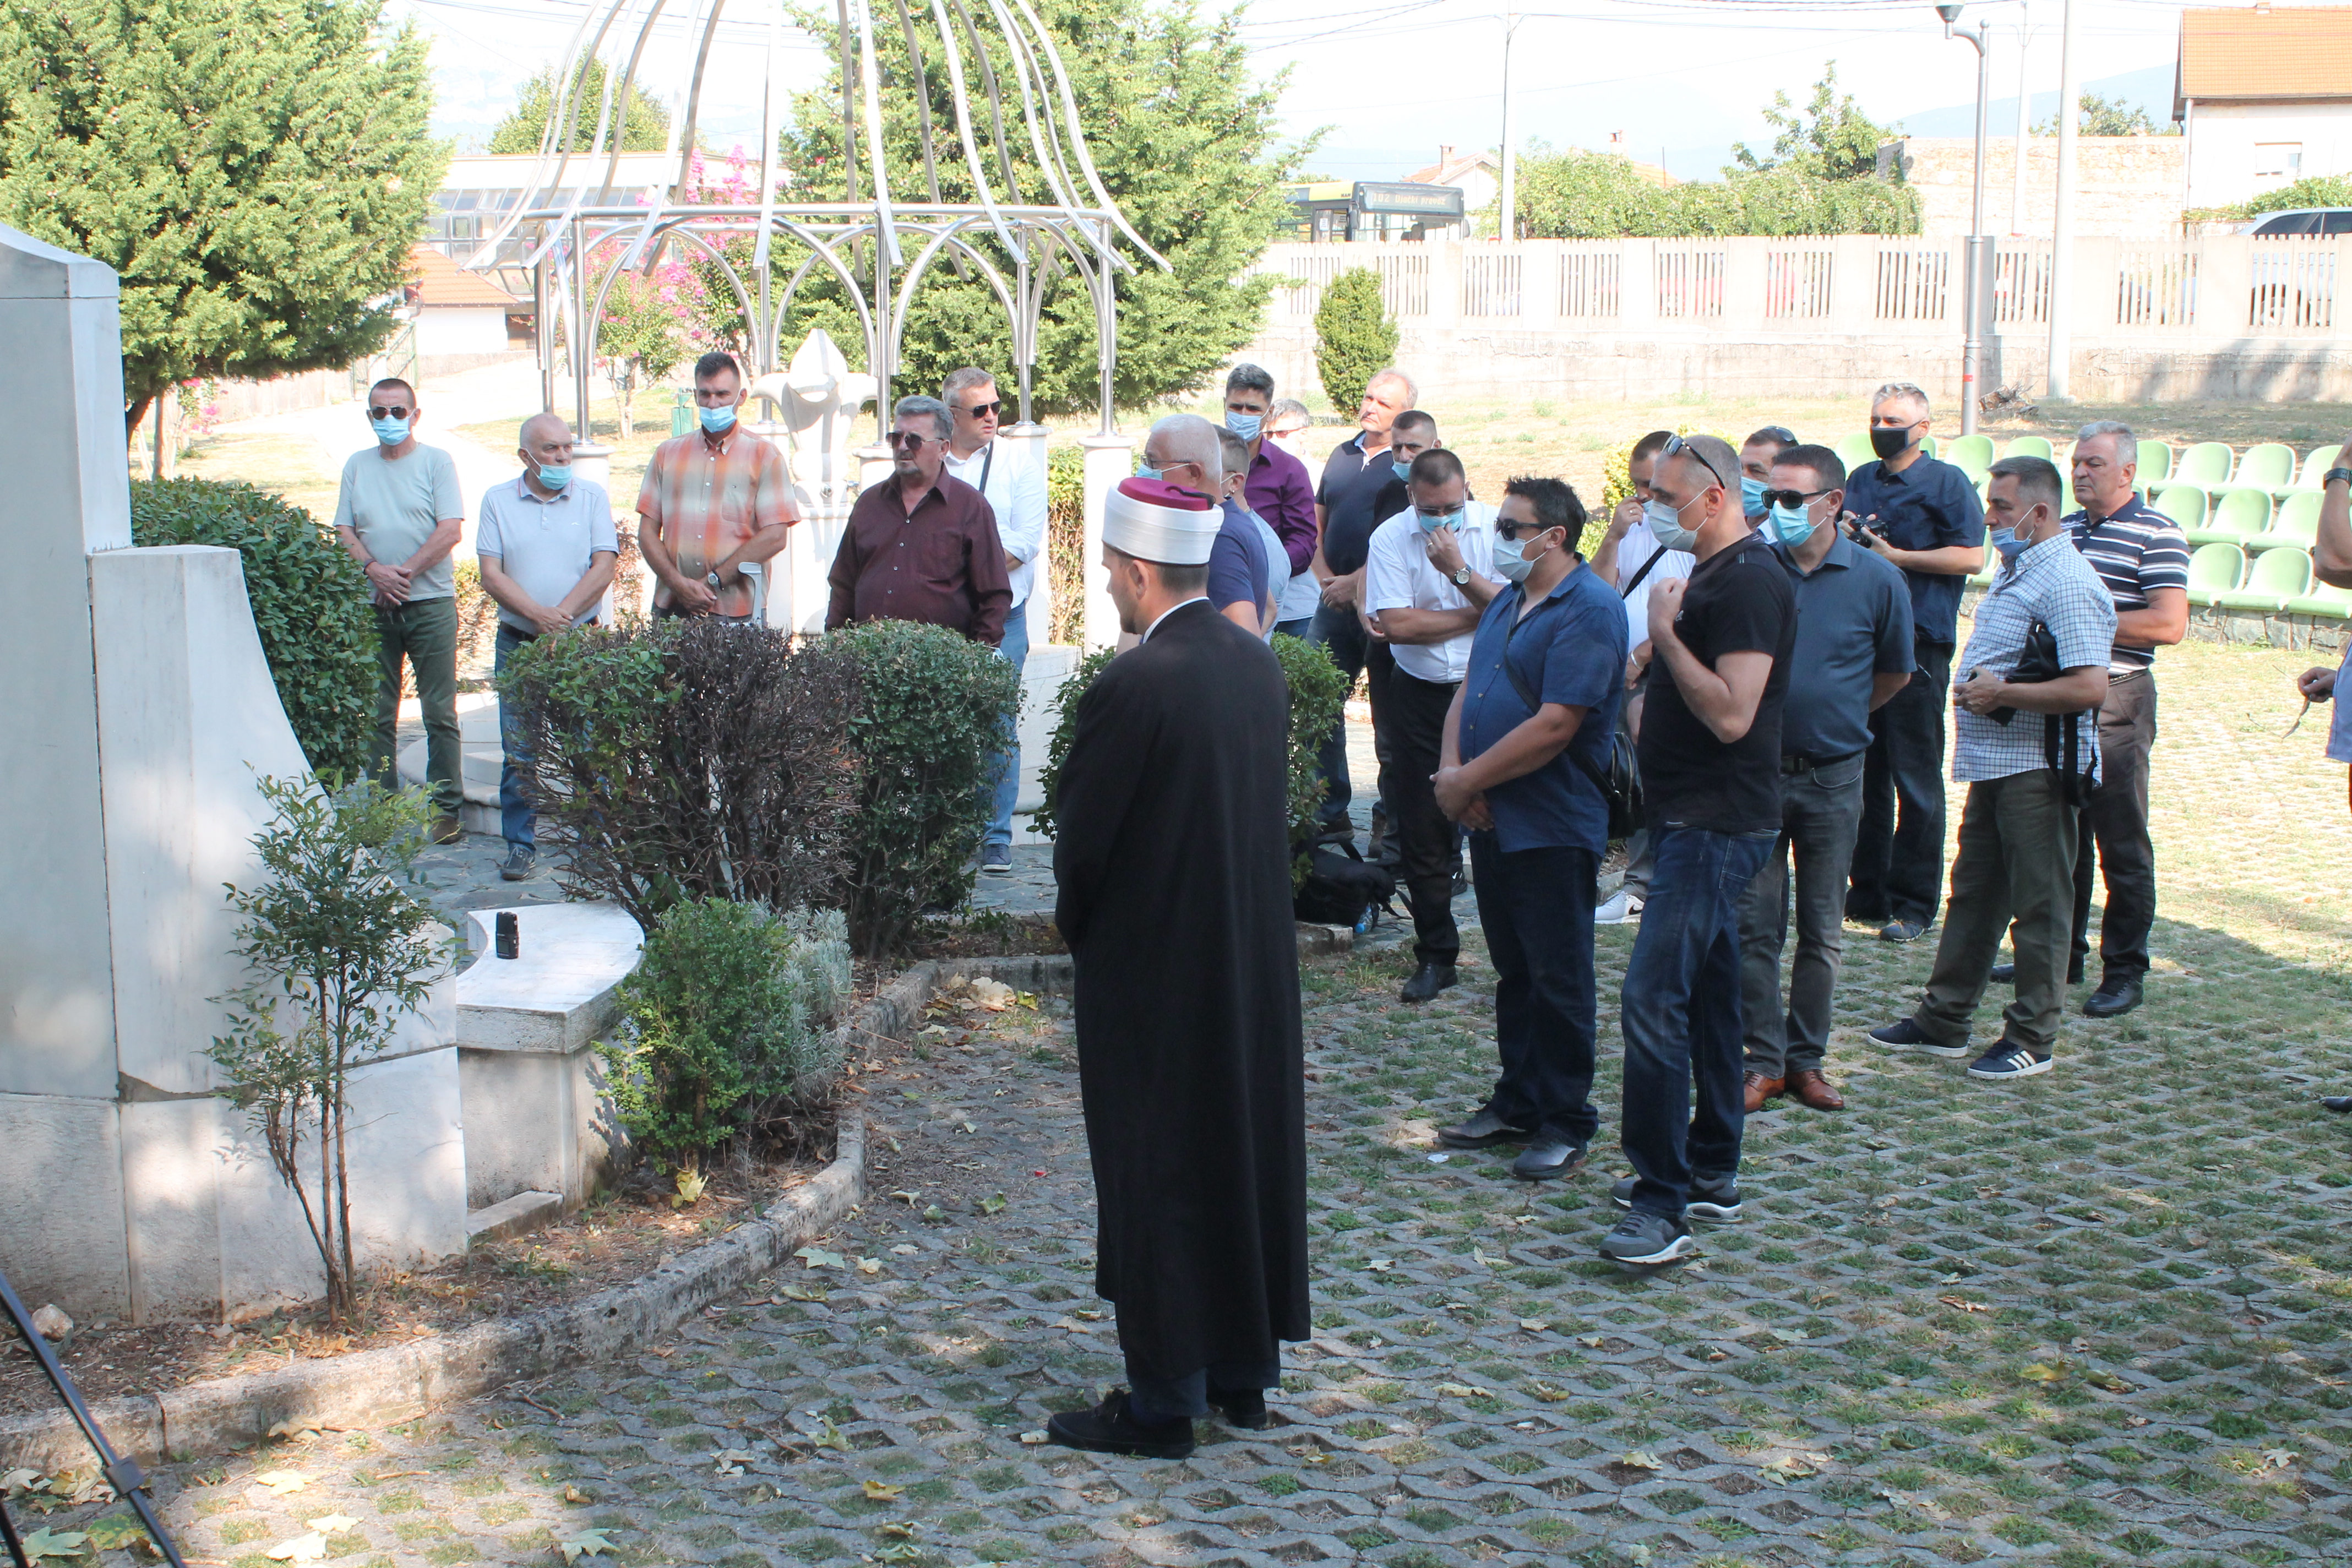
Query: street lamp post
x,y
1976,274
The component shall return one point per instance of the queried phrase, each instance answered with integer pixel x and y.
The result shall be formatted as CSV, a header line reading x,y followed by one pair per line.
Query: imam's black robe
x,y
1174,859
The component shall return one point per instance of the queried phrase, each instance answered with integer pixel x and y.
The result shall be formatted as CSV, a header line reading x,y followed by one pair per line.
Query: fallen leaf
x,y
1639,1460
731,1461
904,1250
833,1437
2108,1381
2043,1371
800,1293
1963,1304
1032,1438
869,1265
991,1204
308,1548
282,1481
587,1544
1533,1325
818,1257
1382,1265
1464,1391
2278,1458
331,1523
935,1214
691,1183
1594,1341
875,1492
17,1481
1794,1466
574,1495
1550,1395
43,1542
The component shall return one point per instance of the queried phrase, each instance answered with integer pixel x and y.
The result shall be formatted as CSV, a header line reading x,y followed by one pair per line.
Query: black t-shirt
x,y
1350,496
1739,601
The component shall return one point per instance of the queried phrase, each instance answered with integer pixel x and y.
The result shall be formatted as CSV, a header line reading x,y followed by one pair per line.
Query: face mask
x,y
1666,526
717,421
2009,544
1790,525
1887,443
555,476
1512,561
1246,426
1431,522
390,432
1146,472
1751,496
1404,470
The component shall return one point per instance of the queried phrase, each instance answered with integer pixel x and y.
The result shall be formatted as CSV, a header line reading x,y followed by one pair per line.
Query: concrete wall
x,y
2126,187
2227,140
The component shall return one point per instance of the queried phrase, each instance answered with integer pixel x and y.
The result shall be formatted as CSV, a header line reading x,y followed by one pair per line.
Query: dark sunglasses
x,y
1513,530
392,412
1676,444
982,410
1780,433
1791,498
907,440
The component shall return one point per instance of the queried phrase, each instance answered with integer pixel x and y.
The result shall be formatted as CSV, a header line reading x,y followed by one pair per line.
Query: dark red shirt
x,y
943,564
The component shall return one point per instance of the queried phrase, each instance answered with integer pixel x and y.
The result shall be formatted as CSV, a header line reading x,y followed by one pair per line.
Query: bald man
x,y
547,547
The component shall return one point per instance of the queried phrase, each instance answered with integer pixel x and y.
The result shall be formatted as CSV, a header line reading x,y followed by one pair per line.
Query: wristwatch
x,y
1462,577
2335,474
712,579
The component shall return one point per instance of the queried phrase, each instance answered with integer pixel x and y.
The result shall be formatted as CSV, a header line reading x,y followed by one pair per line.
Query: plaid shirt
x,y
2050,582
706,500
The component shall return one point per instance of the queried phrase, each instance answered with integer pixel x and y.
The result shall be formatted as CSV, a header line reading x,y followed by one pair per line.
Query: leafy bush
x,y
1066,542
1601,195
688,759
930,714
1318,694
2311,191
1354,339
1617,478
309,604
730,1006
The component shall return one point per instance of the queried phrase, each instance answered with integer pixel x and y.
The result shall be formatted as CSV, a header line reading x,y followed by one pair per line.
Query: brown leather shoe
x,y
1808,1086
1761,1088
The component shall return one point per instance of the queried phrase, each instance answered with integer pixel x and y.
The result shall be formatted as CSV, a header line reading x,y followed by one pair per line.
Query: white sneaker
x,y
1613,912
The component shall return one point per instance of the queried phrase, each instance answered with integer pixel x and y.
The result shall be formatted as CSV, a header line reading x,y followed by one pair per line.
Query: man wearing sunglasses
x,y
399,512
1852,653
923,545
1710,756
1015,487
714,500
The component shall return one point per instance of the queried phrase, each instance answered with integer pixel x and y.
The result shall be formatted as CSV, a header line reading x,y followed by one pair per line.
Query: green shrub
x,y
309,604
1354,338
1066,542
1319,695
930,715
729,1008
1617,480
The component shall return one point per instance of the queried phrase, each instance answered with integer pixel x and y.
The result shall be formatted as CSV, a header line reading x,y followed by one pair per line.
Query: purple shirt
x,y
1279,491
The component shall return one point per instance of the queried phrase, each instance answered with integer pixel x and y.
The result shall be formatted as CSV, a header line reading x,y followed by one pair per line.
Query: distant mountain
x,y
2151,88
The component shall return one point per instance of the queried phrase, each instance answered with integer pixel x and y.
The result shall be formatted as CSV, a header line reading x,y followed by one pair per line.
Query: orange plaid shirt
x,y
705,502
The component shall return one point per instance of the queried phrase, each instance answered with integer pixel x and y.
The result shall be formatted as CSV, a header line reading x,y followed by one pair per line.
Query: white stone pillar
x,y
1109,458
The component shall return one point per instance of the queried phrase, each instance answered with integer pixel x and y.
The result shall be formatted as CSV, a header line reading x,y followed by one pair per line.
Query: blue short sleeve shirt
x,y
1569,649
1928,506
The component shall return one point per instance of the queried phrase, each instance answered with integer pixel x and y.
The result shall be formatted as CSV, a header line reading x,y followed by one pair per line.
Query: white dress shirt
x,y
1398,575
1015,485
1638,545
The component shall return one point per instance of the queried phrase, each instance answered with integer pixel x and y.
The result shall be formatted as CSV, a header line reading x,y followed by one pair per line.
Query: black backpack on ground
x,y
1340,886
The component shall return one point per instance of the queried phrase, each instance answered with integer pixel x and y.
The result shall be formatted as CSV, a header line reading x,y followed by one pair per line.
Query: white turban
x,y
1154,521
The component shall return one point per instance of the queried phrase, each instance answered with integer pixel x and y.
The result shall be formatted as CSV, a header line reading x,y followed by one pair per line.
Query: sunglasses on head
x,y
1780,433
907,440
1792,498
1676,444
982,410
395,412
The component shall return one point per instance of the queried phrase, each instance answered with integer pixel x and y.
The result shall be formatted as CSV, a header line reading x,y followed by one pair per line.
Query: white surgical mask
x,y
1512,561
1666,525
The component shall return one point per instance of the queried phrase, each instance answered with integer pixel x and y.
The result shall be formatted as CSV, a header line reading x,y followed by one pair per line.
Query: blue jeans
x,y
1006,787
1681,1016
1537,907
515,815
1303,626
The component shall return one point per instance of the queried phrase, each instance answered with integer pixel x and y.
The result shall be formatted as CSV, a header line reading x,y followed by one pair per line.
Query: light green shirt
x,y
394,504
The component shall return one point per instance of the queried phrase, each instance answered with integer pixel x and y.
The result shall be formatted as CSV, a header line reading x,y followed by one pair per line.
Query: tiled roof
x,y
2264,52
438,280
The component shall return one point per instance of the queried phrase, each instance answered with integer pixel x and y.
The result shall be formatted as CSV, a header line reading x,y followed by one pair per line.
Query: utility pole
x,y
2062,225
1975,270
1510,196
2024,134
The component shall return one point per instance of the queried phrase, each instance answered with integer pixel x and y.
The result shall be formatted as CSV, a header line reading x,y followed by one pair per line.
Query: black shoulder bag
x,y
1621,783
2060,737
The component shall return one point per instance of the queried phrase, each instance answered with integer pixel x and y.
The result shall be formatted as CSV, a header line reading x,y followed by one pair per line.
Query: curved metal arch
x,y
943,239
673,229
821,248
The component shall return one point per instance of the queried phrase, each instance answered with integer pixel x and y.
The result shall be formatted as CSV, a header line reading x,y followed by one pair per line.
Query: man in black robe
x,y
1173,859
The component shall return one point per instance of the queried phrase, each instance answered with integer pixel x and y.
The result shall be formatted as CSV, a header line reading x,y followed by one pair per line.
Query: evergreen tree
x,y
1354,339
254,169
1181,133
644,121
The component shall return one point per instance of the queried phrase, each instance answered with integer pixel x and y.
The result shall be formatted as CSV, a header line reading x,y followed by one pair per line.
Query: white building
x,y
2265,96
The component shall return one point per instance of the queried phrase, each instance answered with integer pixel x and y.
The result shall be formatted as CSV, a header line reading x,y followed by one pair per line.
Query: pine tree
x,y
256,171
1354,338
643,128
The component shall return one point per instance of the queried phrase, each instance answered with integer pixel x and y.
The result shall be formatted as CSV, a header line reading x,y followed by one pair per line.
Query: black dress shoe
x,y
2339,1103
1111,1427
1427,982
1548,1157
2006,975
2113,999
1243,1407
1483,1131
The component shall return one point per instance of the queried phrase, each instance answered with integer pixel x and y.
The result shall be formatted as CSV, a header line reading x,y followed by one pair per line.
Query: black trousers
x,y
2114,823
1537,908
1427,848
1898,853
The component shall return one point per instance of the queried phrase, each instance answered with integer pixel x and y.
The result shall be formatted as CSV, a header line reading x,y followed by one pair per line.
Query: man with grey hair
x,y
1236,500
1923,516
923,546
1345,512
1187,451
546,546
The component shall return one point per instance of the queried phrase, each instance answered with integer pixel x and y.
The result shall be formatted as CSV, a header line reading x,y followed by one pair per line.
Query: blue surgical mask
x,y
1404,470
1751,496
1431,522
2009,544
1666,526
1246,426
555,476
390,432
717,421
1790,525
1146,472
1511,560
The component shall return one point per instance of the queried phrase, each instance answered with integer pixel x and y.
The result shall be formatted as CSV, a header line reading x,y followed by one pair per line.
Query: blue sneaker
x,y
996,859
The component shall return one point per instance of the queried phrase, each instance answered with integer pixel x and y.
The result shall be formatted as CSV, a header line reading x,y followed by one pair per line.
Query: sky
x,y
1384,83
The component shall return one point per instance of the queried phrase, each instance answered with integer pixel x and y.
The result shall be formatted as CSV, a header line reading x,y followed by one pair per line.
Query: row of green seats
x,y
2271,469
2250,520
2279,581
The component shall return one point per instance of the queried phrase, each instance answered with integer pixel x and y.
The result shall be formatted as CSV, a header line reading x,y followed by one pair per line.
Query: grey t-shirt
x,y
546,544
394,504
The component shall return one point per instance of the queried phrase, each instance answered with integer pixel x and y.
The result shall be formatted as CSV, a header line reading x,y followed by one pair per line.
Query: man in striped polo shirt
x,y
2143,558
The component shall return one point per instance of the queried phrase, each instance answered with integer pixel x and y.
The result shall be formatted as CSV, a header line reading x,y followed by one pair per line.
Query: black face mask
x,y
1886,443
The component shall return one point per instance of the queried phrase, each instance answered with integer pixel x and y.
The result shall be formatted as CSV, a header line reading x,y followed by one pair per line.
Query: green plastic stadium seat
x,y
2238,517
2314,469
2323,602
2279,576
1972,455
2155,464
1927,444
2215,570
2206,465
2266,467
1853,451
2028,446
2296,525
2184,504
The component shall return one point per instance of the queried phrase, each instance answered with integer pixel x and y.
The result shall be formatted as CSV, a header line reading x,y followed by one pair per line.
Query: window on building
x,y
2277,162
